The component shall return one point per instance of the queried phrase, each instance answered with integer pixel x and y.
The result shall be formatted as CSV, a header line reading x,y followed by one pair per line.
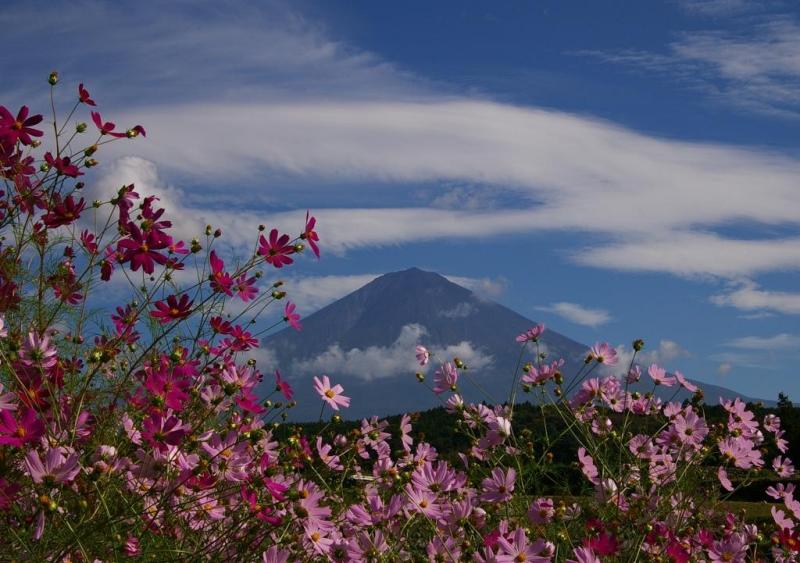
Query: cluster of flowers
x,y
140,433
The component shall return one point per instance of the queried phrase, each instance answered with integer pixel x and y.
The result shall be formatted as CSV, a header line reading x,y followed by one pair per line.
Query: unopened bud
x,y
278,295
81,127
209,228
420,376
218,233
53,78
36,143
261,227
44,167
638,344
89,162
299,247
195,246
336,419
89,151
459,364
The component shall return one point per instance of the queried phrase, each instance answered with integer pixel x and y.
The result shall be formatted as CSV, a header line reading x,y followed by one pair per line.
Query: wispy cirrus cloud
x,y
753,66
578,314
748,296
782,341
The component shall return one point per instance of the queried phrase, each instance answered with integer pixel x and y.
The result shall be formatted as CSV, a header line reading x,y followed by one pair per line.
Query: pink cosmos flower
x,y
499,486
722,475
55,468
161,431
37,350
685,383
660,377
532,334
8,401
587,466
541,511
131,547
783,467
275,555
445,378
603,353
423,355
732,549
245,287
783,521
331,395
518,549
291,317
584,555
423,501
324,452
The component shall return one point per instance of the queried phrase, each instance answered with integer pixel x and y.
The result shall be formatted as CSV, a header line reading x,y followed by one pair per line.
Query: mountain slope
x,y
365,341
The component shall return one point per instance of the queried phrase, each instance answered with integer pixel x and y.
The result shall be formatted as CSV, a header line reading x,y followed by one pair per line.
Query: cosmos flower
x,y
331,395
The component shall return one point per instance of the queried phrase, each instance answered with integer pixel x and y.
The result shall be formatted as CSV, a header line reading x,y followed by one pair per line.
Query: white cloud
x,y
376,362
460,311
718,7
695,254
312,293
364,121
781,341
749,297
667,351
482,287
724,368
578,314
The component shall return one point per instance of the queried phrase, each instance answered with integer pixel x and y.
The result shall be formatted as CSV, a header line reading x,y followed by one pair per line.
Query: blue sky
x,y
614,169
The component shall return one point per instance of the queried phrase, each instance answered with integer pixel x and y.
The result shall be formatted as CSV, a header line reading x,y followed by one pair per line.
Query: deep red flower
x,y
141,249
221,281
19,128
173,309
277,249
16,432
310,235
89,241
63,166
291,317
83,96
282,386
63,212
106,128
221,326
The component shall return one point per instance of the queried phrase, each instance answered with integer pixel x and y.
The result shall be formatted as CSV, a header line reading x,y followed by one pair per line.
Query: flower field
x,y
134,422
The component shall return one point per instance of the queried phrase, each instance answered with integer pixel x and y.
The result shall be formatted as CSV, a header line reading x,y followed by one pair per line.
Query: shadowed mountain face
x,y
365,341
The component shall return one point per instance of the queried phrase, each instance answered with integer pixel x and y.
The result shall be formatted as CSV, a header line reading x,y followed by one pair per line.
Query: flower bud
x,y
209,229
44,167
262,227
459,364
217,233
299,247
90,162
336,419
420,376
81,127
278,295
195,246
53,78
89,151
638,344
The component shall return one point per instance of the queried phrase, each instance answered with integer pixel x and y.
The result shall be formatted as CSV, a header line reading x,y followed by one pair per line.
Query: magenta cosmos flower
x,y
291,317
276,250
173,309
19,128
310,235
331,395
445,378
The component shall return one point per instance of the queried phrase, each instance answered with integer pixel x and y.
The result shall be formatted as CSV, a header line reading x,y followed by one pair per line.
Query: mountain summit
x,y
366,341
